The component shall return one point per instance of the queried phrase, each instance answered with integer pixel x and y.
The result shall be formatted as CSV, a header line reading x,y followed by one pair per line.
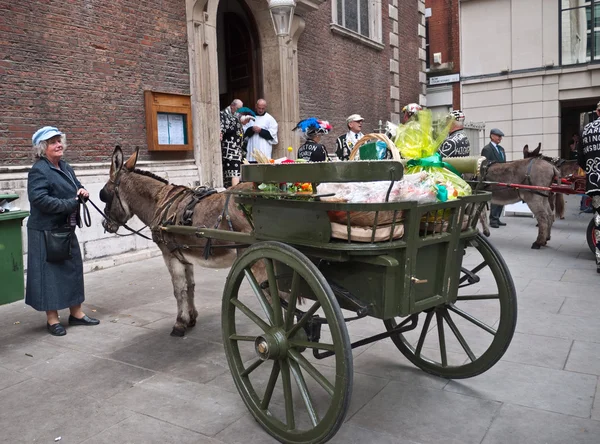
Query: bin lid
x,y
8,197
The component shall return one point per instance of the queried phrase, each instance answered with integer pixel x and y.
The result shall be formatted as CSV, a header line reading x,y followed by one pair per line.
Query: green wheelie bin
x,y
12,286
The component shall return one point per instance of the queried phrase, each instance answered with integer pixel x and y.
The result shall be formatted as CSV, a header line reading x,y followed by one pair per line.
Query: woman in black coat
x,y
54,193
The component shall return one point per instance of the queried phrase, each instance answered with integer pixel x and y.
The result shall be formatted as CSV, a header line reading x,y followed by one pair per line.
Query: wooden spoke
x,y
310,344
312,310
270,386
291,309
242,338
274,292
441,338
312,371
287,395
250,314
262,299
424,331
478,297
252,367
459,336
304,393
472,319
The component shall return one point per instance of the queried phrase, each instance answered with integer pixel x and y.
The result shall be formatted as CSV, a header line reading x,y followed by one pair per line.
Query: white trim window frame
x,y
351,9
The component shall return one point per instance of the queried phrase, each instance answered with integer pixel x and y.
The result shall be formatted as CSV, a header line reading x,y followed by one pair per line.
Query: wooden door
x,y
240,65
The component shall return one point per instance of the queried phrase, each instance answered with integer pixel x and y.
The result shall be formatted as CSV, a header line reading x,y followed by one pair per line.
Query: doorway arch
x,y
278,63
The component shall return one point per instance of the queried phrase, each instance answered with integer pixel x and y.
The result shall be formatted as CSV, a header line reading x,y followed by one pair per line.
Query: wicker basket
x,y
364,218
365,234
375,136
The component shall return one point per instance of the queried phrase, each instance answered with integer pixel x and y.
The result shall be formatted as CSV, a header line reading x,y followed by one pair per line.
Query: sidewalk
x,y
128,381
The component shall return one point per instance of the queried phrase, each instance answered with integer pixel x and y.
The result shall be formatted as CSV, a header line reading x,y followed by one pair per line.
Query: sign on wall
x,y
441,80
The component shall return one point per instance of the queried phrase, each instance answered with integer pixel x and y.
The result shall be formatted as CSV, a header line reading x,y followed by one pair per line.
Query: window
x,y
358,18
580,31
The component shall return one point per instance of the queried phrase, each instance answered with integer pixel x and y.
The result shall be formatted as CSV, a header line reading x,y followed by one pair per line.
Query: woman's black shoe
x,y
85,320
56,329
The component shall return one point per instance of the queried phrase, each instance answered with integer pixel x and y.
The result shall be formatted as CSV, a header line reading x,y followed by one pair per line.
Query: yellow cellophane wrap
x,y
415,140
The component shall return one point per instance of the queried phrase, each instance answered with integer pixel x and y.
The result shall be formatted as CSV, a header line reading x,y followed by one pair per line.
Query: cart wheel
x,y
293,399
466,338
590,236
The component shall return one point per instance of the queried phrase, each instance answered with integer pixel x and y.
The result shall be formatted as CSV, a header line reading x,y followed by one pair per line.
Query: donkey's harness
x,y
168,214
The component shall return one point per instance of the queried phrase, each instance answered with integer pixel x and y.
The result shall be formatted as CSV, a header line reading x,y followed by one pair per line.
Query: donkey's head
x,y
117,210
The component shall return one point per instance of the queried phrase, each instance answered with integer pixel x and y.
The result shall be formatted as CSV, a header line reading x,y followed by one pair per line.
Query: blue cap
x,y
45,133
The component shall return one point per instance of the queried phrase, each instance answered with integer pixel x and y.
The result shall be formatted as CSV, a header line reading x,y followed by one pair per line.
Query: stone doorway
x,y
239,57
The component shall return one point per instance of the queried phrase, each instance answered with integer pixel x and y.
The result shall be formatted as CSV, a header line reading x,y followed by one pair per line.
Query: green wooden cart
x,y
443,293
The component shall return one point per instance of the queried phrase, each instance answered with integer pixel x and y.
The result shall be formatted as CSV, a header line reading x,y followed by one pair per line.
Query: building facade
x,y
84,67
443,55
529,67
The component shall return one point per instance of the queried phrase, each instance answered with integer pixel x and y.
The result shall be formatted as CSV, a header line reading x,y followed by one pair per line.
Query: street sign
x,y
440,80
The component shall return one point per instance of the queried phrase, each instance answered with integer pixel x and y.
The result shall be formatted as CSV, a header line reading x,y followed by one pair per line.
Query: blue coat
x,y
52,196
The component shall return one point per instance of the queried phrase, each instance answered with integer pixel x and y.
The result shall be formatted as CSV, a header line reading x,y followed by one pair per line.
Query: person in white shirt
x,y
345,143
261,132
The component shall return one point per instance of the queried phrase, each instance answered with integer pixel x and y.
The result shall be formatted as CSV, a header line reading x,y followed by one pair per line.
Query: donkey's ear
x,y
116,162
130,164
536,152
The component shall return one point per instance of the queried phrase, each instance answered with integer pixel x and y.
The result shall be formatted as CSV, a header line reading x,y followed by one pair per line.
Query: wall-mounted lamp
x,y
282,12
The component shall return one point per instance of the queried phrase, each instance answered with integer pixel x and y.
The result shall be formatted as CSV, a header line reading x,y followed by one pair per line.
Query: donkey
x,y
130,192
565,167
534,172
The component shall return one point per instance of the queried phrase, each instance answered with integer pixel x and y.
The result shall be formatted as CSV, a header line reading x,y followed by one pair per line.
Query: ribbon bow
x,y
434,161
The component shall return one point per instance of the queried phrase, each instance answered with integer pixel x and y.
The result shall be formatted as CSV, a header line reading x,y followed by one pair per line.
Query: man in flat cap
x,y
494,152
588,157
345,143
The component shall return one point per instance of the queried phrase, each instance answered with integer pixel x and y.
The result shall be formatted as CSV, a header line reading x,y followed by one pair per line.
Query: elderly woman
x,y
54,264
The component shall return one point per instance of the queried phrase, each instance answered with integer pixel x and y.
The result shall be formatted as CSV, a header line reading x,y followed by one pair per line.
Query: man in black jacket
x,y
345,143
588,157
494,152
457,143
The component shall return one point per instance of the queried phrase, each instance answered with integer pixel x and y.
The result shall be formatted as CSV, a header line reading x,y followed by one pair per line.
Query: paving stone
x,y
384,360
197,407
564,289
9,378
143,429
21,351
245,431
531,386
586,275
427,416
104,338
515,424
596,406
29,408
584,358
187,358
558,326
89,375
538,351
530,300
585,308
88,425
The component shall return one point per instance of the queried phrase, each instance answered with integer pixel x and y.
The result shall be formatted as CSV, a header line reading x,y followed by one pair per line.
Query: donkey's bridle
x,y
110,202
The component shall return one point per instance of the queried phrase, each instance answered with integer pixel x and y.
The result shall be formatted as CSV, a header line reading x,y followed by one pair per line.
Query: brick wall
x,y
409,44
444,37
340,76
83,66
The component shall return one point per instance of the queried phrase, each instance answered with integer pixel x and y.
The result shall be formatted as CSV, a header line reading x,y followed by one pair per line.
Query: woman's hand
x,y
83,193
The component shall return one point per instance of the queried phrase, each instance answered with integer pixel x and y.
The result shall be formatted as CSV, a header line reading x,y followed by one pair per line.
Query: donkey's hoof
x,y
192,323
535,246
547,239
486,233
178,332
